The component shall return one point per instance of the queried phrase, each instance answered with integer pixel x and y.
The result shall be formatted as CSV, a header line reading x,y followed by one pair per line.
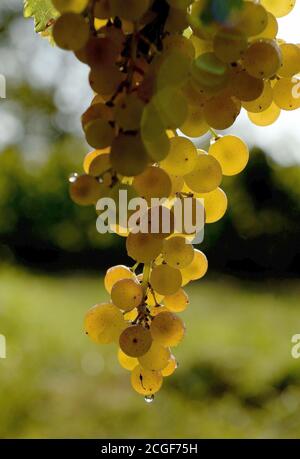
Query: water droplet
x,y
73,177
149,398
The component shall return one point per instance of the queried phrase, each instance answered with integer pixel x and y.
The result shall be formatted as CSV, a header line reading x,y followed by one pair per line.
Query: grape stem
x,y
215,135
134,267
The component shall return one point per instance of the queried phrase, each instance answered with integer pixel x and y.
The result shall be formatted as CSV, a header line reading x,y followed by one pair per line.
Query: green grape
x,y
195,124
165,280
104,323
158,147
126,362
146,382
128,155
127,294
97,163
271,29
177,182
267,117
131,10
71,31
99,133
156,359
279,8
201,46
210,72
251,19
176,21
143,248
179,43
73,6
215,205
286,94
167,329
158,221
206,176
191,219
180,4
177,252
102,9
195,96
135,340
128,112
221,111
290,60
178,302
200,27
94,112
106,81
173,70
244,86
197,269
182,157
171,106
231,153
100,53
262,102
170,368
154,182
85,190
263,59
115,274
229,45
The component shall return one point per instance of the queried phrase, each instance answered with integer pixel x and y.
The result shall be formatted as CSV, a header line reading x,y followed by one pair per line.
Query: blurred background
x,y
236,377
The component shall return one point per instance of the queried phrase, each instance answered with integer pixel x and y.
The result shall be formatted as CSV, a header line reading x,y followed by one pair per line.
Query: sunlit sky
x,y
35,61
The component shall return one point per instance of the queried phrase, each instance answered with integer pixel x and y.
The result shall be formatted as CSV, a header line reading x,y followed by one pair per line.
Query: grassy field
x,y
236,376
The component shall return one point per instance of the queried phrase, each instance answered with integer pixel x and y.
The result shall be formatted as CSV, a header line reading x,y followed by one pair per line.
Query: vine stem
x,y
146,277
213,132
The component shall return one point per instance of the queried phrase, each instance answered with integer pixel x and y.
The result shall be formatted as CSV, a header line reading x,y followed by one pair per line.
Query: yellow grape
x,y
279,8
127,294
171,106
115,274
231,152
177,252
71,31
178,302
263,59
290,60
156,358
173,70
215,205
95,111
154,182
130,316
99,133
167,329
244,86
158,147
106,80
135,340
96,161
73,6
251,18
287,93
126,362
197,269
271,29
195,124
85,190
221,111
153,298
262,102
177,182
182,157
158,221
267,117
206,176
210,72
128,155
229,45
104,323
131,10
146,382
143,247
155,310
165,280
170,368
179,43
128,112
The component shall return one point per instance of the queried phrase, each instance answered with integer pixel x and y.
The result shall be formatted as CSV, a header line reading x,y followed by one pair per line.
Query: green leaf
x,y
43,13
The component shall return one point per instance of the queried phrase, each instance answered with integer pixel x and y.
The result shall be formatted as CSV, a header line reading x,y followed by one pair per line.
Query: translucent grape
x,y
231,153
128,112
182,157
279,8
263,59
146,382
267,117
195,124
221,111
286,93
99,133
215,204
178,302
135,340
127,294
210,72
206,176
154,182
130,10
170,368
244,86
165,280
290,60
177,252
251,18
73,6
229,45
167,329
71,31
129,363
85,190
197,269
262,102
143,247
128,155
104,323
115,274
157,358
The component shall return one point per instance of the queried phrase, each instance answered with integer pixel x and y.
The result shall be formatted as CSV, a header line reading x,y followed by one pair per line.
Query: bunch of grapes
x,y
163,72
